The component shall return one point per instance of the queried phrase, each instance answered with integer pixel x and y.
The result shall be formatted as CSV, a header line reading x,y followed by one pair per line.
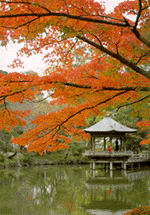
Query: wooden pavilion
x,y
108,127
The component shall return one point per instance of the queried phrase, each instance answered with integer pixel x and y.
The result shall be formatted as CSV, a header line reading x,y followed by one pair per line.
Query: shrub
x,y
2,158
27,159
139,211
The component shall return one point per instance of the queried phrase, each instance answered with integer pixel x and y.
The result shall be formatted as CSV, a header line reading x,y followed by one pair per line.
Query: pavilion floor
x,y
123,157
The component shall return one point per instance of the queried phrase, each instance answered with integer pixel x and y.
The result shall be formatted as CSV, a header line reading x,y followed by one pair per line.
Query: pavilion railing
x,y
132,157
139,157
88,152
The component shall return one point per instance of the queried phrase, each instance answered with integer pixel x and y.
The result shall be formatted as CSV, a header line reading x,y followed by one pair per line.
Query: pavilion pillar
x,y
104,144
111,174
124,166
93,165
111,165
121,148
124,144
91,143
111,141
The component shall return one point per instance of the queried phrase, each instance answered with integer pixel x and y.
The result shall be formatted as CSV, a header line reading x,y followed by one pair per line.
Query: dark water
x,y
75,190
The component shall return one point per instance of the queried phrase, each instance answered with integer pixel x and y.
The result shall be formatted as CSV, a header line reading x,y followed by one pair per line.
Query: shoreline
x,y
42,163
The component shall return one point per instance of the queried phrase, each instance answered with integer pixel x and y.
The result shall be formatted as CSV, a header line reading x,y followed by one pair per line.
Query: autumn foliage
x,y
139,211
113,70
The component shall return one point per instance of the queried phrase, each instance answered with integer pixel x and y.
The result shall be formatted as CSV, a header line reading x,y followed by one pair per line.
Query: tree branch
x,y
116,56
138,15
146,89
139,36
82,18
142,56
57,128
131,103
3,97
106,19
25,3
88,108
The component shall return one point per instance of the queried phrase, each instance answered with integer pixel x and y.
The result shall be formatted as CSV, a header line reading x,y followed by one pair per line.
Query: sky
x,y
35,62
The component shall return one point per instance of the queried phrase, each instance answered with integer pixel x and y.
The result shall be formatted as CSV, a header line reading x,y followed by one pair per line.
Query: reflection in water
x,y
65,190
113,192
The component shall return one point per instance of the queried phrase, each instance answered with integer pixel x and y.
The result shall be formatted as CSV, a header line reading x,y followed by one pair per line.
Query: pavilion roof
x,y
109,125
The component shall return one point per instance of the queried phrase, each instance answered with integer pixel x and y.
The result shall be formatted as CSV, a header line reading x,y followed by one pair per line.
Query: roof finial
x,y
107,114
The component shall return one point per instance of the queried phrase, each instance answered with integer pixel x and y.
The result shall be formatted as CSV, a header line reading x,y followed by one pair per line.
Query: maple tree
x,y
114,48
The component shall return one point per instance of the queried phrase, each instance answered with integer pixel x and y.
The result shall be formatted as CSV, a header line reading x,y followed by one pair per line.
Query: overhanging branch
x,y
146,89
131,103
101,19
57,128
57,14
88,108
116,56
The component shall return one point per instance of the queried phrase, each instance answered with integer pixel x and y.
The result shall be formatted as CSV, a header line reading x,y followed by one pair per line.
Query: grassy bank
x,y
32,159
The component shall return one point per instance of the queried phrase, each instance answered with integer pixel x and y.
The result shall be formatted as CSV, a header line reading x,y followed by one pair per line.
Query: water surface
x,y
72,190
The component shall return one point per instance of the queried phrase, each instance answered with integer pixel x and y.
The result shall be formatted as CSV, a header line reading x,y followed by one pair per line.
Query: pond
x,y
75,190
